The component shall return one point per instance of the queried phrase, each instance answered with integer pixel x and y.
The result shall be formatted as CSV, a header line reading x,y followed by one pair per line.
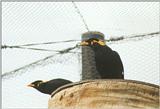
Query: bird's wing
x,y
119,61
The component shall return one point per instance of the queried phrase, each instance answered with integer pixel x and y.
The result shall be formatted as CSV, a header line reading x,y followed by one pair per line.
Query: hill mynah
x,y
47,87
108,62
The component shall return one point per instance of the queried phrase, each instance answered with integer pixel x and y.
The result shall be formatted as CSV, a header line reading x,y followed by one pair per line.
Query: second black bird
x,y
48,87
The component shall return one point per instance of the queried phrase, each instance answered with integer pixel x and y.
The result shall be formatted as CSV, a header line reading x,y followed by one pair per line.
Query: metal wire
x,y
47,43
112,40
38,49
32,65
68,50
81,16
133,37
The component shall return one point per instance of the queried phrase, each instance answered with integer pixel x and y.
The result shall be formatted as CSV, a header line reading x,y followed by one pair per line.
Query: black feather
x,y
50,86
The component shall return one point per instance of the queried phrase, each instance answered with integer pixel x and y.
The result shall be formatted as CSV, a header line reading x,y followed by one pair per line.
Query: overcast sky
x,y
24,23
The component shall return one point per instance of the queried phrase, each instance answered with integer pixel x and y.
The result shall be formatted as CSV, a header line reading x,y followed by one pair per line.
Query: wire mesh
x,y
131,29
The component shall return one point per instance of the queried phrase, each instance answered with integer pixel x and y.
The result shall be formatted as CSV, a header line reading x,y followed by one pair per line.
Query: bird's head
x,y
93,38
92,42
36,84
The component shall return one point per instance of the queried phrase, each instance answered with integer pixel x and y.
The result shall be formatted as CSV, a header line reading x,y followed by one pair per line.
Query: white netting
x,y
41,22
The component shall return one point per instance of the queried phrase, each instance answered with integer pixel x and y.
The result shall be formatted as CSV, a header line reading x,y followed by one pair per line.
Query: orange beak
x,y
30,85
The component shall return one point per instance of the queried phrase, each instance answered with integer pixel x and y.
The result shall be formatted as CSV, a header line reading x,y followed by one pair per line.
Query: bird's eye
x,y
38,84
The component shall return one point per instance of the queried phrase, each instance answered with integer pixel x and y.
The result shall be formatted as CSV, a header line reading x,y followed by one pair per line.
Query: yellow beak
x,y
30,85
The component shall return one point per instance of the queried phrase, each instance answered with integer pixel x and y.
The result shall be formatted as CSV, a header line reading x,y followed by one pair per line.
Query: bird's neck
x,y
96,47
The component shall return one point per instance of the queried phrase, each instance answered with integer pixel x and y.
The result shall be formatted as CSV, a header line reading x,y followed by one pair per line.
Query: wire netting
x,y
40,41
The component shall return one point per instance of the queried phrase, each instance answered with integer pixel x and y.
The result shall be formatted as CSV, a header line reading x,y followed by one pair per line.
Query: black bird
x,y
48,87
108,61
